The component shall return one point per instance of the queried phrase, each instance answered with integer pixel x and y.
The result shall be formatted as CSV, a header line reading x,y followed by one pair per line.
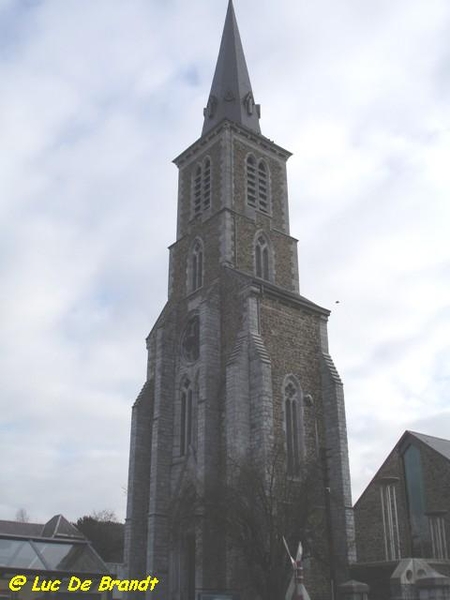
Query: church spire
x,y
231,94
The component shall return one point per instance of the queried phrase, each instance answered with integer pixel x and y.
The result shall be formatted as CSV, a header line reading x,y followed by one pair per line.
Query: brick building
x,y
238,360
403,513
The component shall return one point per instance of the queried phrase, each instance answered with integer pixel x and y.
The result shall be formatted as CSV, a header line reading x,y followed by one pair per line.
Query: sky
x,y
96,99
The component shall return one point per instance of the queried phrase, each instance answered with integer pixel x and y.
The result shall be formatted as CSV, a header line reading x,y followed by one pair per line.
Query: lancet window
x,y
293,425
262,257
257,184
201,194
187,417
196,266
390,521
439,547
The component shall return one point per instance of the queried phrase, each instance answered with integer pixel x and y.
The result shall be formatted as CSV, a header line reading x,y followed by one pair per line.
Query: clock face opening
x,y
190,340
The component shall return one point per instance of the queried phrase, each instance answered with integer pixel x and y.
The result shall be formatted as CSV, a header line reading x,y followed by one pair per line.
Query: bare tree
x,y
253,509
22,515
105,516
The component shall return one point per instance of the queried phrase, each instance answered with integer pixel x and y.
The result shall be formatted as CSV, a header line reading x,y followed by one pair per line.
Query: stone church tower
x,y
238,359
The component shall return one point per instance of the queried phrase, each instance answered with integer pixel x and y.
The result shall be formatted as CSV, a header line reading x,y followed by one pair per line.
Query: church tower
x,y
238,360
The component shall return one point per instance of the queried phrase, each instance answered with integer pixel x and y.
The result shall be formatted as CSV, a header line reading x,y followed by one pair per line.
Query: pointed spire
x,y
231,95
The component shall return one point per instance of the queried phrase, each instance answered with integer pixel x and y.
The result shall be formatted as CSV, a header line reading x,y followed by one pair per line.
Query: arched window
x,y
206,183
251,181
293,425
201,192
262,187
196,274
262,258
187,416
257,184
197,191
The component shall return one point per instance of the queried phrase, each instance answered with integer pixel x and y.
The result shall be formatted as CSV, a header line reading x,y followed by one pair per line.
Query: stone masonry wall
x,y
369,519
281,246
277,180
214,151
368,516
138,483
291,336
436,473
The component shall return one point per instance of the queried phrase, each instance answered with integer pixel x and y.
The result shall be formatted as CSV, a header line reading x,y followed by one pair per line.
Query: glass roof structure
x,y
49,555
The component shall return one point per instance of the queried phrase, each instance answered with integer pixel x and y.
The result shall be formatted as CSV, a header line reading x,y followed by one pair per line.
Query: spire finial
x,y
231,95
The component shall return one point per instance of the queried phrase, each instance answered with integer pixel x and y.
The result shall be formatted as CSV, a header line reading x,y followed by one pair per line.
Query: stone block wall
x,y
277,180
436,473
368,511
253,334
368,514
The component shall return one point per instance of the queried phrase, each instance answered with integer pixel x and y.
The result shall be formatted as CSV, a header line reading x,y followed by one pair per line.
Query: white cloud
x,y
95,103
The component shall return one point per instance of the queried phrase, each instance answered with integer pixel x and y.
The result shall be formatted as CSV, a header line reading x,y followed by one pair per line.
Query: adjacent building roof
x,y
60,527
17,528
57,527
440,445
56,546
231,95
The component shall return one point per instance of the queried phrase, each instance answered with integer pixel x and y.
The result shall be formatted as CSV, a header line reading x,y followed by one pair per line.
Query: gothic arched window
x,y
263,187
187,416
262,258
196,270
201,192
257,184
206,183
251,181
293,425
197,195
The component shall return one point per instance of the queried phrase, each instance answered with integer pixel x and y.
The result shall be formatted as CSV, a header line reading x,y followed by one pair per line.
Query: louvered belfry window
x,y
257,184
206,183
198,191
201,194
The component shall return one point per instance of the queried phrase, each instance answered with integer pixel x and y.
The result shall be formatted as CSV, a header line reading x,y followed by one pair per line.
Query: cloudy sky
x,y
96,98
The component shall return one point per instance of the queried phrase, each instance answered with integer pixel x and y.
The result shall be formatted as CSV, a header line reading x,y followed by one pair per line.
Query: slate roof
x,y
17,528
231,95
440,445
57,527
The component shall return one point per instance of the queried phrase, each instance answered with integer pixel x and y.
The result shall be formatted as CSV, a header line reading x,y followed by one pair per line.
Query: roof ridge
x,y
435,437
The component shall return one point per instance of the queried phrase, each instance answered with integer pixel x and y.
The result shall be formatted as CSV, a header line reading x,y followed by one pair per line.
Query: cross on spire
x,y
231,95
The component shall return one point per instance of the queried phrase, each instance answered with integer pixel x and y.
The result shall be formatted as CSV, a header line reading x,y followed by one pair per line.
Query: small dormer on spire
x,y
231,95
